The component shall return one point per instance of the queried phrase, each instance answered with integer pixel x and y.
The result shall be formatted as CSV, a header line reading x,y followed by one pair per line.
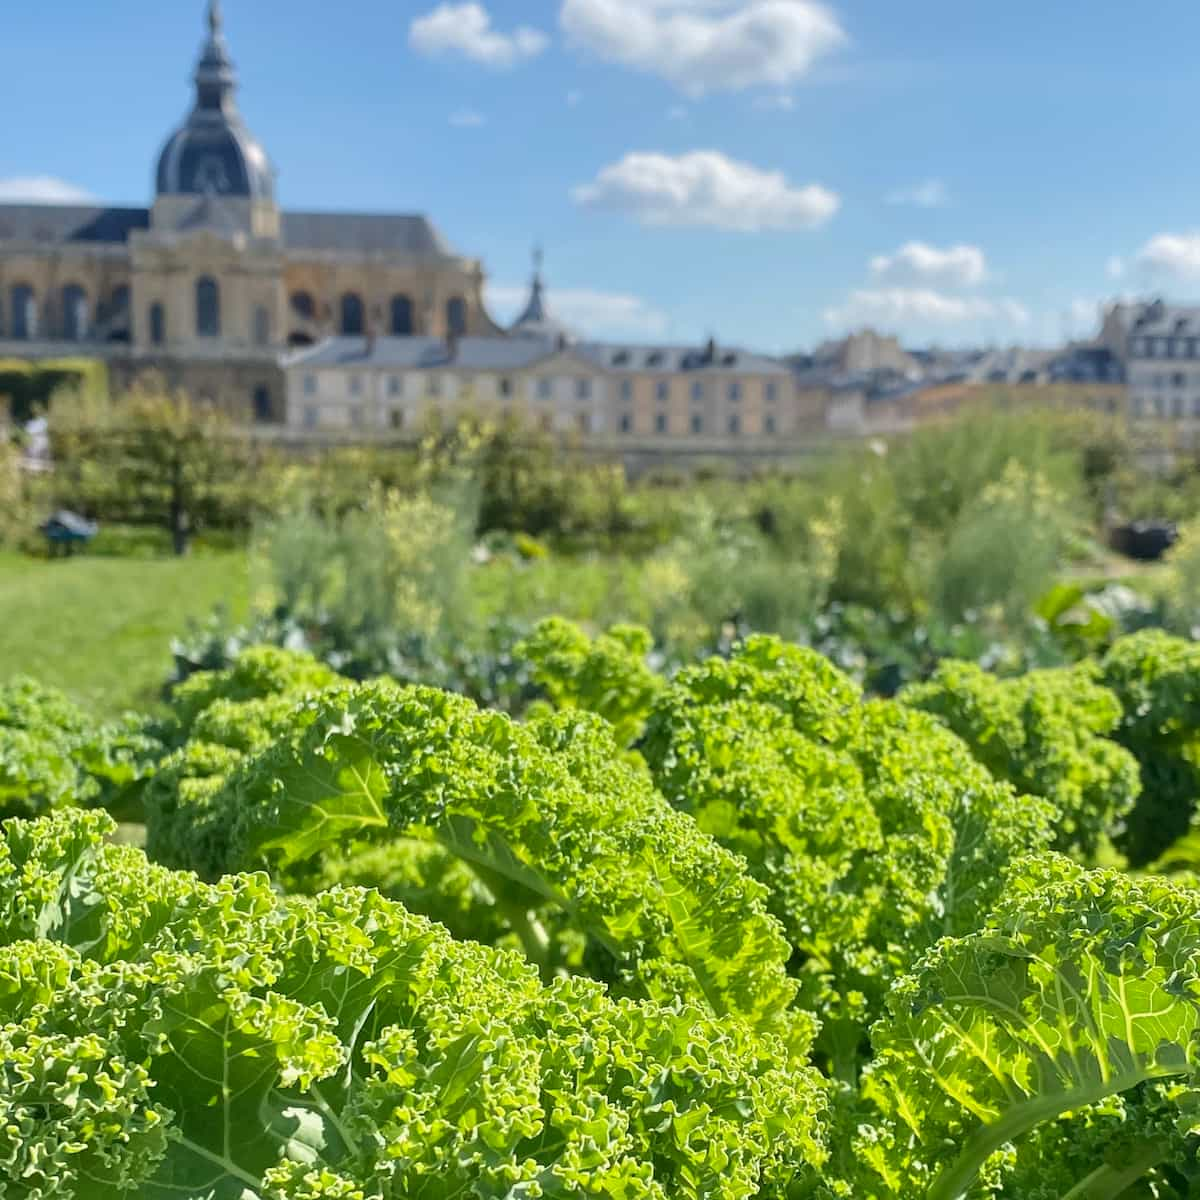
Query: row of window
x,y
74,313
1165,347
352,314
543,388
1178,380
398,419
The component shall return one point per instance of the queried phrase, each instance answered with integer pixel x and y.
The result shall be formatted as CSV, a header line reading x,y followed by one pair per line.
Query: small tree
x,y
154,459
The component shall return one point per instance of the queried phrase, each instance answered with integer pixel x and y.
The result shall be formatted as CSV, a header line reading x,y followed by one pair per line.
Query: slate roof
x,y
371,232
1161,320
62,223
56,224
514,353
413,353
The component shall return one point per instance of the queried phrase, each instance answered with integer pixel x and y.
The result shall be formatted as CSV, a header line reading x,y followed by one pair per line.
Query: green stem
x,y
1108,1182
954,1182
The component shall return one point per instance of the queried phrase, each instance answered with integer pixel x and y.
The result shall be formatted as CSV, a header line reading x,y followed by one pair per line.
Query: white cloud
x,y
899,307
467,118
932,193
918,263
677,112
777,102
1115,267
42,189
705,188
1084,317
596,314
466,29
1173,254
707,45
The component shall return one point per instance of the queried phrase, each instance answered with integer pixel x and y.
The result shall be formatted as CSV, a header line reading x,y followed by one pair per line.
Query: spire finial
x,y
214,17
538,258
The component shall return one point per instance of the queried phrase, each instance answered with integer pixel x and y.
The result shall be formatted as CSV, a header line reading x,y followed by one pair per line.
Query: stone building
x,y
708,398
214,281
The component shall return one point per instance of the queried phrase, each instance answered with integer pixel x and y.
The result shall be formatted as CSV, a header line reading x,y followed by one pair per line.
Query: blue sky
x,y
768,171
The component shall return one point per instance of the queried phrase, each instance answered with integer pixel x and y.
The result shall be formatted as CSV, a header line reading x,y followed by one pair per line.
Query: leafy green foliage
x,y
52,754
607,675
869,825
1081,987
1046,733
1156,678
556,823
165,1037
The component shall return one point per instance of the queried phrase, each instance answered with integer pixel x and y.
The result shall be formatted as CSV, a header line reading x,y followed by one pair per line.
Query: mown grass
x,y
101,628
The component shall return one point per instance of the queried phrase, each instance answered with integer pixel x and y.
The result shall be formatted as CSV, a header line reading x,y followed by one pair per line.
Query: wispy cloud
x,y
706,189
898,308
42,189
594,313
918,263
932,193
707,45
466,30
467,118
775,102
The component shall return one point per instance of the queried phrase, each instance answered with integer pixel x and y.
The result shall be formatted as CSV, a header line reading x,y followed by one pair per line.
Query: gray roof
x,y
671,359
514,353
369,232
1161,320
537,321
60,223
411,353
56,224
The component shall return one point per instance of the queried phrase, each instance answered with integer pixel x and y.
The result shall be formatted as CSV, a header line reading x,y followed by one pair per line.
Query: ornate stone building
x,y
213,282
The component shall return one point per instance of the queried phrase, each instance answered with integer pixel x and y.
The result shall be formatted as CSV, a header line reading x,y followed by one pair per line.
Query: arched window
x,y
402,316
74,313
158,324
456,316
353,318
262,405
118,301
262,325
208,307
24,312
303,305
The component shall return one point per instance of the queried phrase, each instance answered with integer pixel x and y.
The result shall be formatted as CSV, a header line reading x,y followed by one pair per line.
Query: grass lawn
x,y
101,628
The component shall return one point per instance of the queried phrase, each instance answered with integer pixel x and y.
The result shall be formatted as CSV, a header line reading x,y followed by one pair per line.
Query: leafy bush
x,y
1046,733
868,824
52,754
163,1036
608,676
1156,678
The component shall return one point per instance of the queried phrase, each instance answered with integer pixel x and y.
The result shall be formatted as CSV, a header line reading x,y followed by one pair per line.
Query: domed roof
x,y
537,321
214,152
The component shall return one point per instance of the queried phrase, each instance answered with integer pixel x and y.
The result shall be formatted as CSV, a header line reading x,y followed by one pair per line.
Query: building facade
x,y
213,282
1159,347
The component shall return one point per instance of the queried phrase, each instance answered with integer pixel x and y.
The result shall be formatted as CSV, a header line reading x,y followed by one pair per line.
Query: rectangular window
x,y
545,389
433,385
1179,379
396,417
1172,347
505,386
662,390
625,424
310,385
626,389
584,421
395,385
772,392
583,389
356,385
769,423
311,416
735,393
697,423
356,415
697,390
660,422
735,424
